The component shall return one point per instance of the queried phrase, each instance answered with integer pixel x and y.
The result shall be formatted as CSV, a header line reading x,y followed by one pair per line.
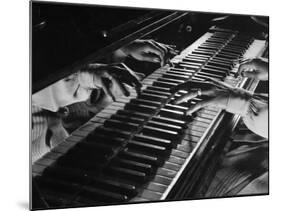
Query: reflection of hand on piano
x,y
149,50
113,79
215,94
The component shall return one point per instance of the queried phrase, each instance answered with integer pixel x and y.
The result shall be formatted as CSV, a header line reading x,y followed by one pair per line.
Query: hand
x,y
256,68
149,50
113,79
216,94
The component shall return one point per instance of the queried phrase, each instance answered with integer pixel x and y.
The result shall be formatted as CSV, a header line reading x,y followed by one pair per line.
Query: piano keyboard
x,y
137,148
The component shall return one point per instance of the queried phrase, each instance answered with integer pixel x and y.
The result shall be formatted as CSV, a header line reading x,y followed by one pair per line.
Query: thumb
x,y
250,74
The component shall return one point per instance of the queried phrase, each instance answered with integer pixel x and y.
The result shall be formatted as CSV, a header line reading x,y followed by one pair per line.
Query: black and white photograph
x,y
132,105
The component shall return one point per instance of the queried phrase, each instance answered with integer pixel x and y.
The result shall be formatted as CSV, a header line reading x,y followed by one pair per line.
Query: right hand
x,y
256,68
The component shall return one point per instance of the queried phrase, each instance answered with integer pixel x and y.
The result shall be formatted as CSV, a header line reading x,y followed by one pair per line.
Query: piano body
x,y
142,148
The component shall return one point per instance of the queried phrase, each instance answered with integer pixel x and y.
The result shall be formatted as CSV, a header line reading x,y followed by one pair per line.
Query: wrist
x,y
239,102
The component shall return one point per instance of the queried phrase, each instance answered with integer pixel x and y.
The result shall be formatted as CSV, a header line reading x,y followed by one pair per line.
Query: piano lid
x,y
68,36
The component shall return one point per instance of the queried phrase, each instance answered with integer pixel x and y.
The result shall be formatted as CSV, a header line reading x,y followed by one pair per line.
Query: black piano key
x,y
69,174
224,56
147,148
125,126
186,66
205,52
90,162
104,139
164,126
184,72
141,108
152,96
224,62
134,114
133,165
231,52
164,84
176,76
112,132
170,80
126,118
157,92
98,194
219,64
205,75
64,192
92,147
160,133
190,59
152,160
184,62
114,185
171,114
155,141
176,122
214,72
203,57
218,69
128,174
146,102
164,91
68,189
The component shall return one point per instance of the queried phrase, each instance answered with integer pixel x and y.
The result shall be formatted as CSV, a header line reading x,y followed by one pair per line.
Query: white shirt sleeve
x,y
257,121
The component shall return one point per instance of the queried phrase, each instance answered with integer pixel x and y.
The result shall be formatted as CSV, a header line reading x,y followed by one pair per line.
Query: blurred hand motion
x,y
113,79
256,68
150,51
215,94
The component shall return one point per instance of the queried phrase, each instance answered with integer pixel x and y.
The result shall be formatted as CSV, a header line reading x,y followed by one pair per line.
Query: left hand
x,y
149,50
216,94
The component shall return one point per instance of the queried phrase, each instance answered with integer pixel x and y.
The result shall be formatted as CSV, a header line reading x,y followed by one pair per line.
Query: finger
x,y
160,45
148,57
154,49
133,76
199,105
185,97
126,75
242,60
121,87
247,65
219,84
250,74
169,51
106,88
182,86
